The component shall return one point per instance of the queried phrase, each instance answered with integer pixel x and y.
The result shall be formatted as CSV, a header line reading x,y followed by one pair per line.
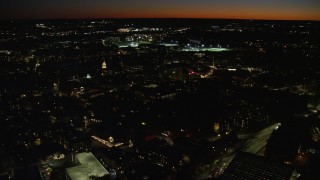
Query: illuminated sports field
x,y
193,49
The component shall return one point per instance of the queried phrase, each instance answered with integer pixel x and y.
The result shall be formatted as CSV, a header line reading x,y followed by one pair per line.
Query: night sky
x,y
239,9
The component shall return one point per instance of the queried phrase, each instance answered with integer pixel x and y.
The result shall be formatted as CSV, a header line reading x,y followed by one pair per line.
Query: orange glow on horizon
x,y
161,12
237,14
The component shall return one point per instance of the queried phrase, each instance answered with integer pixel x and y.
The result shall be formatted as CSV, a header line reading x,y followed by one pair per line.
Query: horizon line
x,y
109,18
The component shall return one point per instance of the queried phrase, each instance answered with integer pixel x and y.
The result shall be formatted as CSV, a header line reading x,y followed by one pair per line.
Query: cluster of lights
x,y
107,143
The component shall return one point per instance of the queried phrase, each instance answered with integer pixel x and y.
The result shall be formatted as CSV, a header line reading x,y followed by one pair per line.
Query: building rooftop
x,y
90,166
250,166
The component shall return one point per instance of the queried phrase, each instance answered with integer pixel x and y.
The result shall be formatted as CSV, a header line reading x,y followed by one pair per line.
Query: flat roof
x,y
250,166
90,166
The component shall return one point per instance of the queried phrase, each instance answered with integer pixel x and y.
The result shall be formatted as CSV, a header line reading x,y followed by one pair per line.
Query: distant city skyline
x,y
221,9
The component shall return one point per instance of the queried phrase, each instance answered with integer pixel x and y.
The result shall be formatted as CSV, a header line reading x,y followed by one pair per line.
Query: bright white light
x,y
232,69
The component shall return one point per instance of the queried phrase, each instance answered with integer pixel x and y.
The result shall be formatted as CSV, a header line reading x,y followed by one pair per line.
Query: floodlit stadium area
x,y
195,49
169,44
